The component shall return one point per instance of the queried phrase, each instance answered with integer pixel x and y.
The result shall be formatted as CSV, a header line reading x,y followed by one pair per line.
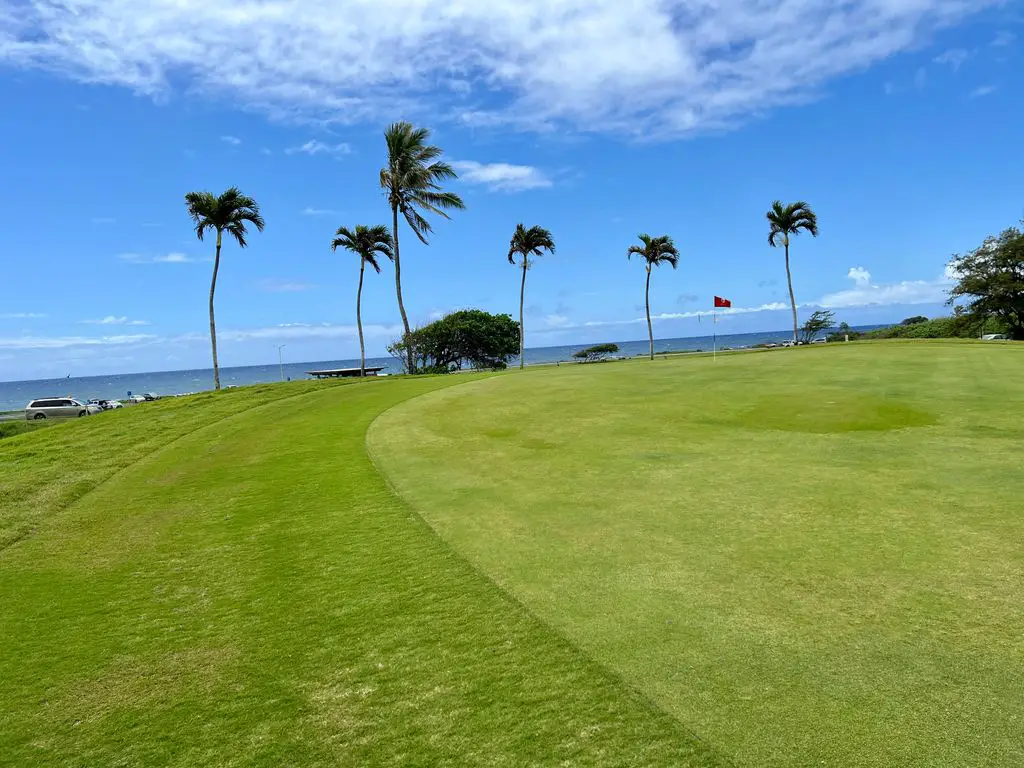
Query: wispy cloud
x,y
275,285
318,212
866,293
297,331
167,258
1002,39
983,90
501,177
954,58
773,307
114,320
317,147
103,220
22,316
537,65
920,78
62,342
232,140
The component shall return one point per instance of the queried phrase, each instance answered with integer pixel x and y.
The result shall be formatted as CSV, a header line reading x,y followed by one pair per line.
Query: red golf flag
x,y
720,302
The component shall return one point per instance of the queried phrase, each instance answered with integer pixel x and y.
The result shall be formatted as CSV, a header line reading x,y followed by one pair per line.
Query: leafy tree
x,y
914,320
367,243
469,336
844,332
412,182
228,213
962,325
596,352
527,242
818,321
785,221
655,251
991,278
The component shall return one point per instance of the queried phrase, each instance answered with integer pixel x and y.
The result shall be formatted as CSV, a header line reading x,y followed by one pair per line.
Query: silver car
x,y
58,408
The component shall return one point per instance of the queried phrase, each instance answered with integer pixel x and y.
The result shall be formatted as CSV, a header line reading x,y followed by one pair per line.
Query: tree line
x,y
412,180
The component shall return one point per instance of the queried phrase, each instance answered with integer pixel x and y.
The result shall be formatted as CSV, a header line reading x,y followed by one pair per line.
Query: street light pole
x,y
280,360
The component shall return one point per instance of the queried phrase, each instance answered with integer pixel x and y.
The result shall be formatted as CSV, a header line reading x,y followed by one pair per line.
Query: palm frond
x,y
789,220
655,250
237,229
413,174
534,240
419,225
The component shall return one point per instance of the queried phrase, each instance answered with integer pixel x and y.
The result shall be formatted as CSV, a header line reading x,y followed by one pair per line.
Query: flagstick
x,y
714,337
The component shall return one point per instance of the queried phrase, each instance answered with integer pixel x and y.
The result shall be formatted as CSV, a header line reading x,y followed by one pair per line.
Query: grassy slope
x,y
254,594
810,557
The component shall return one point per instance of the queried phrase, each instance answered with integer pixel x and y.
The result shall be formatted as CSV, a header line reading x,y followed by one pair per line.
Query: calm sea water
x,y
16,394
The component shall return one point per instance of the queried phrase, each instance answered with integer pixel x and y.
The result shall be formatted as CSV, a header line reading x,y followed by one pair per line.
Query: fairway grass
x,y
807,557
226,580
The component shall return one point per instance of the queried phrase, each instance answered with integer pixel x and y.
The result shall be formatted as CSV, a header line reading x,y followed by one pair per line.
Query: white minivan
x,y
58,408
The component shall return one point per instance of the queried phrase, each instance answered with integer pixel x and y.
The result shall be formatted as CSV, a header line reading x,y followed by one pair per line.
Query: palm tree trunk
x,y
213,324
792,298
359,319
398,288
647,302
522,331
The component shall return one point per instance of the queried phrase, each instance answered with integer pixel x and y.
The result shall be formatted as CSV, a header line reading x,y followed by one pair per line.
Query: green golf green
x,y
225,580
807,557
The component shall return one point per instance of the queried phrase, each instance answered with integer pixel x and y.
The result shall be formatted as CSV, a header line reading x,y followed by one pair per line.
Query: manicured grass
x,y
12,428
808,557
226,580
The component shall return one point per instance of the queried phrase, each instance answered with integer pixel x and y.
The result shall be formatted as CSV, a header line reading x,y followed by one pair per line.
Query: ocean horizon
x,y
15,395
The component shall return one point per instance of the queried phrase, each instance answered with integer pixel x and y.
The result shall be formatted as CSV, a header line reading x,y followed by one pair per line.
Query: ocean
x,y
16,394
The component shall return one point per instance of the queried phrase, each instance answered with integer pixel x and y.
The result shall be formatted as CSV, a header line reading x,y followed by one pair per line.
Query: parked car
x,y
58,408
107,405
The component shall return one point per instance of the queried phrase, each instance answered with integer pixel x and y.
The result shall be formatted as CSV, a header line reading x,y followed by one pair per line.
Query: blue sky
x,y
898,120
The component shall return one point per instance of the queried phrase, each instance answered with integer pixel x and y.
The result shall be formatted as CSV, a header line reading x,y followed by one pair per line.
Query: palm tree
x,y
367,243
525,242
227,213
785,221
655,251
411,182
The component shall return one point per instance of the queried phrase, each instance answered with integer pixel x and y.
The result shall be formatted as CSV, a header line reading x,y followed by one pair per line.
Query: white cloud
x,y
859,275
284,286
866,294
920,78
647,67
773,307
232,140
983,90
318,212
501,177
1002,39
62,342
316,147
303,331
114,320
168,258
556,321
22,316
954,57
